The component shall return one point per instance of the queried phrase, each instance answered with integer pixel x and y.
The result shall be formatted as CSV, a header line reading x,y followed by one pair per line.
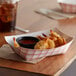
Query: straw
x,y
20,29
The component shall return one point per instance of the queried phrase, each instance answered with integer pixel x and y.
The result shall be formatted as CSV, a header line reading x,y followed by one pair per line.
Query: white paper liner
x,y
30,54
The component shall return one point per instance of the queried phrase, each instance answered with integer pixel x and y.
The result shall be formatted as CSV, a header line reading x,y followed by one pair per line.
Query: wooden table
x,y
28,19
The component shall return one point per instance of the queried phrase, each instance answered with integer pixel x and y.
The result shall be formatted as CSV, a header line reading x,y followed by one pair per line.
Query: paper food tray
x,y
68,6
30,54
7,53
73,2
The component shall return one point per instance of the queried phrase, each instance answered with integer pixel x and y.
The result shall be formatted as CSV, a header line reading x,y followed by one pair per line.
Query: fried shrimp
x,y
42,44
59,40
51,41
54,34
45,44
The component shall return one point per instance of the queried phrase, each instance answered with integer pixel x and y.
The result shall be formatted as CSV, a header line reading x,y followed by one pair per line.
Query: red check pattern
x,y
30,54
68,8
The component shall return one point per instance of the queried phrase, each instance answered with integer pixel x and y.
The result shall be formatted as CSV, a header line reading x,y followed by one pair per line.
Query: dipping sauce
x,y
27,41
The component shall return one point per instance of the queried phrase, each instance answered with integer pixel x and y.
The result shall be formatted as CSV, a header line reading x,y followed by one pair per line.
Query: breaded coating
x,y
45,44
51,41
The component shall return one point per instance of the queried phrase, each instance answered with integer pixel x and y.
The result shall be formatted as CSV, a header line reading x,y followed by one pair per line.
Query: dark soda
x,y
7,17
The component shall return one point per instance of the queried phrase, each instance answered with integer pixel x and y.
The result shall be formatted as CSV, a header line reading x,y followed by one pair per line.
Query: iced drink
x,y
8,16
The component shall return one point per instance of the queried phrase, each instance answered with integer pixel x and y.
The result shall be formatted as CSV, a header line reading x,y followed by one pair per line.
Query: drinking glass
x,y
8,12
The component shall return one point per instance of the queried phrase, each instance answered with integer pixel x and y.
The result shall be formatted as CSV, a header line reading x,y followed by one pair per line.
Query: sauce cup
x,y
27,41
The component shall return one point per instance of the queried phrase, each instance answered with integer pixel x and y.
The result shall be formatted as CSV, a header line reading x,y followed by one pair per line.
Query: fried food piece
x,y
54,34
42,44
53,38
51,43
45,44
57,39
15,43
61,40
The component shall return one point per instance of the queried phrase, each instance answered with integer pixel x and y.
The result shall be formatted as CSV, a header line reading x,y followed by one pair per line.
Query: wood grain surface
x,y
28,19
